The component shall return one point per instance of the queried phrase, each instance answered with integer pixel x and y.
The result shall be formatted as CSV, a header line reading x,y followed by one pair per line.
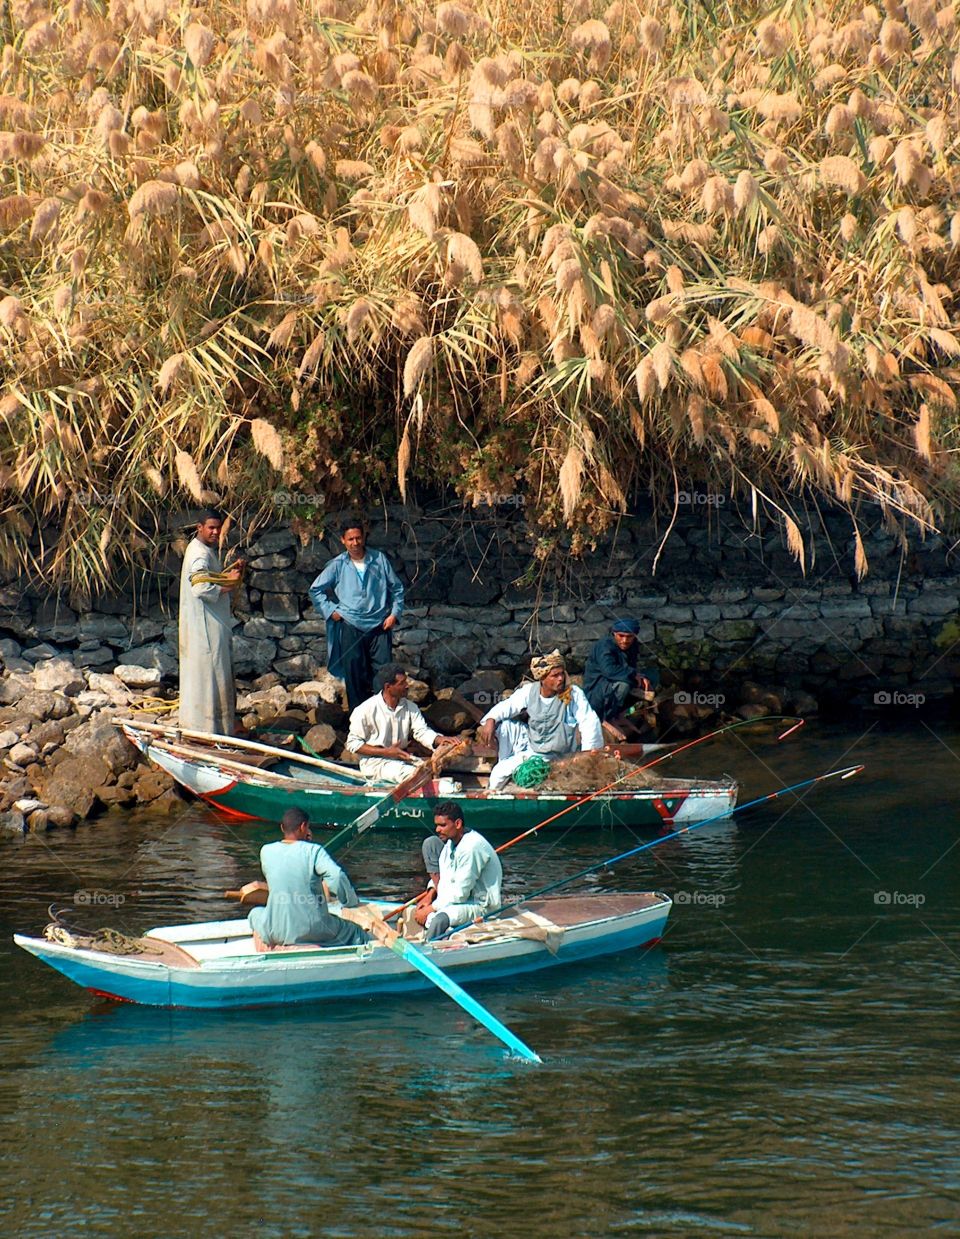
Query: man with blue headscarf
x,y
612,676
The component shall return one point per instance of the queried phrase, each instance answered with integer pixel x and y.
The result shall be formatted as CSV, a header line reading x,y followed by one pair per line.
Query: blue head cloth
x,y
625,625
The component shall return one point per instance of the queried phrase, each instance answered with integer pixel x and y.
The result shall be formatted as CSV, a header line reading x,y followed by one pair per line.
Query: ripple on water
x,y
783,1064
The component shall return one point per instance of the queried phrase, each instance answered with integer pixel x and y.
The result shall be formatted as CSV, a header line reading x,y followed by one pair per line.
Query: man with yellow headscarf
x,y
555,711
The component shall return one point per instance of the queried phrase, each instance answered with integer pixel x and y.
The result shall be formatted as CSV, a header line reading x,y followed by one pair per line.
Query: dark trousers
x,y
362,654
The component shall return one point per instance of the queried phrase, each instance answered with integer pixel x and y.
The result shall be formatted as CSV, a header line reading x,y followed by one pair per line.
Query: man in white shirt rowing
x,y
556,710
382,727
468,877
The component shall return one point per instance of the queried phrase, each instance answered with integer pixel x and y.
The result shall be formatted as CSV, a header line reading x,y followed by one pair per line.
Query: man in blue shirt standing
x,y
361,598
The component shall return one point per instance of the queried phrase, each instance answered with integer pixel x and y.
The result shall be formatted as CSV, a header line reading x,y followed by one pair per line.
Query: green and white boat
x,y
245,780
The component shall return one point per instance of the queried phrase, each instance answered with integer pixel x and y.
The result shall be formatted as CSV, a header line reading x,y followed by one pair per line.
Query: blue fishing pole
x,y
845,773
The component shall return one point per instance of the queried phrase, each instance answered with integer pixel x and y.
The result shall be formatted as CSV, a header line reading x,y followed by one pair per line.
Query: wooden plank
x,y
173,733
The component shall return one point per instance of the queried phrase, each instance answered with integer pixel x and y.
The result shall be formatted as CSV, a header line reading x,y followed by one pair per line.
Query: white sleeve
x,y
512,707
421,729
360,729
591,733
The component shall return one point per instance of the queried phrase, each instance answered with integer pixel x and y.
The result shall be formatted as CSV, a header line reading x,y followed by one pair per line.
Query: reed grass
x,y
565,251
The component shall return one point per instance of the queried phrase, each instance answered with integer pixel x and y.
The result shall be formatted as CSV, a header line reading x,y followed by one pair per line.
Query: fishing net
x,y
586,772
532,772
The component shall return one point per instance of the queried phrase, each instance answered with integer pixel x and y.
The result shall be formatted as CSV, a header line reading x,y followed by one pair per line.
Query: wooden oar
x,y
238,743
845,773
369,817
797,724
374,924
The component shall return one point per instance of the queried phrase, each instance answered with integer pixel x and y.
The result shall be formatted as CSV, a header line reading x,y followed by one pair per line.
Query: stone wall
x,y
725,604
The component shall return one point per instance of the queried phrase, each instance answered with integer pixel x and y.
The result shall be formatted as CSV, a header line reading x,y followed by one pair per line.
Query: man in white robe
x,y
382,727
556,712
207,690
467,884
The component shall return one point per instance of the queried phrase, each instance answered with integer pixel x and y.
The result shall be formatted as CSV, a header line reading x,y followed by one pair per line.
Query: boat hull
x,y
234,976
265,797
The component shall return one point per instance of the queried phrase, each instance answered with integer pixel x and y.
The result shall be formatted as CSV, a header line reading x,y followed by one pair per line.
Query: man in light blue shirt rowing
x,y
361,598
301,876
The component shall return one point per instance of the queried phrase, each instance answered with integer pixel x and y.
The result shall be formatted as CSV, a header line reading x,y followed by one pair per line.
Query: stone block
x,y
272,541
705,613
152,656
145,630
259,627
37,653
57,675
321,738
845,608
99,656
326,686
103,627
469,589
674,615
135,676
297,668
42,706
281,607
734,630
268,563
252,657
933,604
110,686
313,626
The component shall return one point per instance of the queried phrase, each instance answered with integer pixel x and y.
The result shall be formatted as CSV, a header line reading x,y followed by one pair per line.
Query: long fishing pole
x,y
767,718
845,773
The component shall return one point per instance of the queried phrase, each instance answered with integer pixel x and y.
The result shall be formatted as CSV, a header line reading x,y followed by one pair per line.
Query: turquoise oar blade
x,y
406,950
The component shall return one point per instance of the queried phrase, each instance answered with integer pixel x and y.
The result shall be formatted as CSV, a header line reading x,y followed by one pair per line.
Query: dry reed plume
x,y
571,251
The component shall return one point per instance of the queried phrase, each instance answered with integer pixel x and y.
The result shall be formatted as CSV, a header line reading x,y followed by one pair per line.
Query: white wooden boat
x,y
214,964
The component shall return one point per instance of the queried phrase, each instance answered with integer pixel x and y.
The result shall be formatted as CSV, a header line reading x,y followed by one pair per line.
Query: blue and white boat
x,y
214,965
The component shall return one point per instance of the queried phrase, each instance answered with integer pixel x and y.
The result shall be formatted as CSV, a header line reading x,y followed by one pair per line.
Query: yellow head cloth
x,y
540,665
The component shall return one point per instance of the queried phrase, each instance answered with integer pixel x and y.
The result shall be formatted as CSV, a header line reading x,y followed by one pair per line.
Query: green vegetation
x,y
550,251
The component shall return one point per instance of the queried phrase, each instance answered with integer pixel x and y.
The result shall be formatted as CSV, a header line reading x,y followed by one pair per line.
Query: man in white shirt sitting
x,y
467,884
556,710
382,727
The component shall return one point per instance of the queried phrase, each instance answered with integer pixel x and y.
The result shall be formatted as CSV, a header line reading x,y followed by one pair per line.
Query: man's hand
x,y
389,623
445,742
485,733
395,751
424,907
232,578
337,617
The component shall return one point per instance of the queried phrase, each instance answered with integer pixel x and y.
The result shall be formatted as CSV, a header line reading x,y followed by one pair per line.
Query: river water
x,y
784,1063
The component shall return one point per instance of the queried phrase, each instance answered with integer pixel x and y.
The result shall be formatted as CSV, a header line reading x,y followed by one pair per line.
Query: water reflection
x,y
784,1063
